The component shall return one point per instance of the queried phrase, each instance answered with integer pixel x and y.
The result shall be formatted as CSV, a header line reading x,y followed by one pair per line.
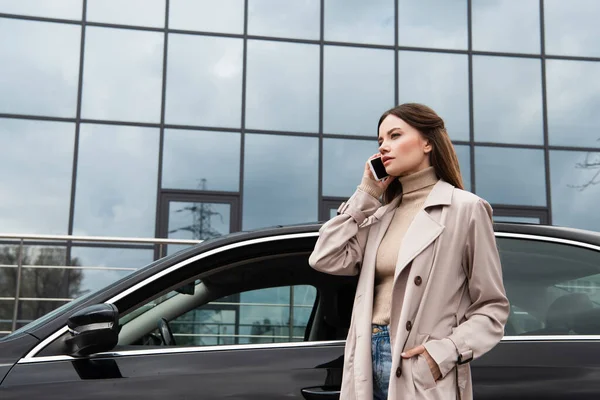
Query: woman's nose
x,y
383,149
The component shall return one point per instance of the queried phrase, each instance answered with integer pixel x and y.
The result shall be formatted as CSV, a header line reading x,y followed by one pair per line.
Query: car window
x,y
553,288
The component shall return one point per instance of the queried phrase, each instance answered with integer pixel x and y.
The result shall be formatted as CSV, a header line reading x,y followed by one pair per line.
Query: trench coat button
x,y
398,372
408,326
418,281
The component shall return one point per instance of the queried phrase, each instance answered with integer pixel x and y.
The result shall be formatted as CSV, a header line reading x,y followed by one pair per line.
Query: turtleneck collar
x,y
418,180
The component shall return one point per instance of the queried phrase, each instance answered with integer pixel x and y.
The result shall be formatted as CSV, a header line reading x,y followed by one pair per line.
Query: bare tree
x,y
591,162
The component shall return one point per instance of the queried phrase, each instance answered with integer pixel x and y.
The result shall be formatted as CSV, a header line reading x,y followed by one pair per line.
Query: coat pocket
x,y
422,373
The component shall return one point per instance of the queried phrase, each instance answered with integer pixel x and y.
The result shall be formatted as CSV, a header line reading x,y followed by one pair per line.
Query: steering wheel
x,y
165,333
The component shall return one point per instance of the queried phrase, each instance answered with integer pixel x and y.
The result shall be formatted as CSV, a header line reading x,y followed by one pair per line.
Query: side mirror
x,y
92,330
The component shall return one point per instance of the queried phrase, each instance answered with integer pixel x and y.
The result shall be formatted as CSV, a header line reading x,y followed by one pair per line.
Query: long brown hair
x,y
442,157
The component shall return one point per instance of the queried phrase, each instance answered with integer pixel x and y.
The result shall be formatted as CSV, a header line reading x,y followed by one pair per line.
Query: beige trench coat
x,y
454,302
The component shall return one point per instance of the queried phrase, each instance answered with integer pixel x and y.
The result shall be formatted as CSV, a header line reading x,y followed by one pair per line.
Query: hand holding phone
x,y
378,169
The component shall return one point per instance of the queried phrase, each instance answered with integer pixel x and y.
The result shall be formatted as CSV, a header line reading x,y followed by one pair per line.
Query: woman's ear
x,y
428,148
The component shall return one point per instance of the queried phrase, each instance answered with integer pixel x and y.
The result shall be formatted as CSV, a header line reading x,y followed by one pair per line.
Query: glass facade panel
x,y
127,12
519,220
288,19
204,81
122,78
30,310
280,180
67,9
433,23
507,97
510,176
358,88
491,32
360,21
344,163
575,186
35,197
116,181
282,90
6,315
26,86
198,220
201,160
431,86
225,16
571,27
464,160
573,92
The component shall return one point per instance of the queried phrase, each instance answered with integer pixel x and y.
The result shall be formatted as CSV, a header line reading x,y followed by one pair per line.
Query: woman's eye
x,y
395,135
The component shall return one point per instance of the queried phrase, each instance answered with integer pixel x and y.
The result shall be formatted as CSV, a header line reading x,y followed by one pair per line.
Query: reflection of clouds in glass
x,y
280,181
290,19
573,92
464,153
282,86
204,81
67,9
491,32
38,74
432,23
510,176
507,97
343,164
571,27
128,12
572,206
207,15
358,87
122,77
35,189
359,21
116,181
425,78
190,156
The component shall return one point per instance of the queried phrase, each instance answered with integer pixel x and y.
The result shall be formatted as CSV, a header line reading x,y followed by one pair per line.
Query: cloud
x,y
207,15
359,21
288,19
130,12
571,28
67,9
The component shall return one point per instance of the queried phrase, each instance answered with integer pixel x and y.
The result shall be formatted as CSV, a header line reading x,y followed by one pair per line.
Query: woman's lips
x,y
386,160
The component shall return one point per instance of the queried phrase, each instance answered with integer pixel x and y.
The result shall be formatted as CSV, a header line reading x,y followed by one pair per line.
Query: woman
x,y
430,296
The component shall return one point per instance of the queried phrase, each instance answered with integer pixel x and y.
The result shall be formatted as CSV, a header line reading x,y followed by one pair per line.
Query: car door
x,y
263,326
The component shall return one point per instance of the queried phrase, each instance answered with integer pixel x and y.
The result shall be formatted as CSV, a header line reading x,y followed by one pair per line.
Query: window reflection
x,y
431,86
6,315
225,16
360,21
507,96
116,181
204,81
67,9
26,86
575,189
282,86
344,163
36,198
288,19
122,78
127,12
571,27
573,92
433,23
510,176
358,88
280,180
490,31
464,159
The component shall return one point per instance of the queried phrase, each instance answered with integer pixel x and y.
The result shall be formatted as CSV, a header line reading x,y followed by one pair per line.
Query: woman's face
x,y
404,150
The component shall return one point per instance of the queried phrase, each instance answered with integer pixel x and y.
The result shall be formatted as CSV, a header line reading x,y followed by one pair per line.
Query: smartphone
x,y
378,169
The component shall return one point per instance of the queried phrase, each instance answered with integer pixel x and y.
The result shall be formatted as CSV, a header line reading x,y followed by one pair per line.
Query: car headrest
x,y
565,309
587,322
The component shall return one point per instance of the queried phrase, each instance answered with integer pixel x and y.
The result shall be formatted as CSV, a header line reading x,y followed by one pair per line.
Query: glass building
x,y
194,118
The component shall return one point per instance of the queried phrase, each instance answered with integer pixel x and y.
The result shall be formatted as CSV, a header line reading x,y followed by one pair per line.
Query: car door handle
x,y
318,393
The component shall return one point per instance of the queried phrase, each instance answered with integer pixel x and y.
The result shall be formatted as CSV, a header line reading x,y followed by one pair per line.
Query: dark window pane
x,y
344,163
200,160
116,181
280,180
289,19
431,86
30,310
36,194
6,316
510,176
507,96
204,81
358,88
282,86
40,67
360,21
207,15
573,103
67,9
490,30
433,23
575,189
464,159
122,78
571,27
127,12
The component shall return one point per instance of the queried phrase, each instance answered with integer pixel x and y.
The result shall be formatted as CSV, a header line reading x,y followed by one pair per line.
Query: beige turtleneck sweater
x,y
415,189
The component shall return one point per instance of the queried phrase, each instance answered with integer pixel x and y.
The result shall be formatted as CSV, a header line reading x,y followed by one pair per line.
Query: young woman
x,y
430,296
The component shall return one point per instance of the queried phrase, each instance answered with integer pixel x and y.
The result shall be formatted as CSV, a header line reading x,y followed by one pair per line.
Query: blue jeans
x,y
381,353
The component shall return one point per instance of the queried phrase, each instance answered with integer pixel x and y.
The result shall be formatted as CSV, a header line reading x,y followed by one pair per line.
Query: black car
x,y
162,331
